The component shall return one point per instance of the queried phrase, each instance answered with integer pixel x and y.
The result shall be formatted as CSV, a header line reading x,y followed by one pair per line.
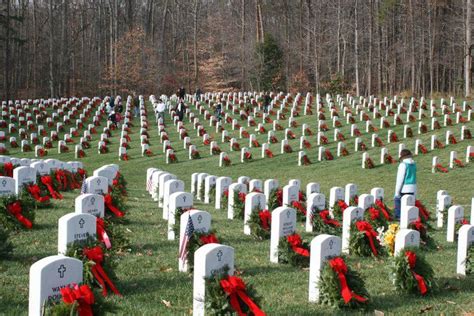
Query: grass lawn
x,y
148,272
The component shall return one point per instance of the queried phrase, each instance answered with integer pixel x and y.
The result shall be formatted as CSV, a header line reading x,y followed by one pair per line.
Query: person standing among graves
x,y
160,109
218,111
180,108
198,94
266,102
181,93
406,179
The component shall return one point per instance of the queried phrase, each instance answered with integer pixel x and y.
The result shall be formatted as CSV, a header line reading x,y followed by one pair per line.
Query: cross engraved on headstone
x,y
92,200
412,237
184,198
331,243
98,181
4,182
61,270
219,255
288,214
357,212
81,223
199,219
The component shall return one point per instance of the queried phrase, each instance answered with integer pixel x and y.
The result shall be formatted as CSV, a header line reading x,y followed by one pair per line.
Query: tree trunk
x,y
195,31
51,49
467,54
242,46
356,49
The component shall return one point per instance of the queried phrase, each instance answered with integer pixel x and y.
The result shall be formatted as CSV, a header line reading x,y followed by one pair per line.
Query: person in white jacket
x,y
406,179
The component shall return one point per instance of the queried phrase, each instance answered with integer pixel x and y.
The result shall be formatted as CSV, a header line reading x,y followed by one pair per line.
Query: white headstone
x,y
201,222
465,240
177,200
252,200
89,203
350,215
74,227
406,238
283,224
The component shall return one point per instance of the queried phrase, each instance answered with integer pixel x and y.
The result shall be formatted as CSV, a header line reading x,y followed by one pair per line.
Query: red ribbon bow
x,y
8,169
102,233
295,243
209,239
365,227
342,204
48,182
15,209
265,219
381,205
411,257
97,255
35,192
339,266
242,197
374,213
234,287
418,225
299,207
423,210
62,179
327,220
83,295
111,207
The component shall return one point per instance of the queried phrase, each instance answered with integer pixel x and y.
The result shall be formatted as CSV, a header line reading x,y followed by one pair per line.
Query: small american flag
x,y
84,185
183,248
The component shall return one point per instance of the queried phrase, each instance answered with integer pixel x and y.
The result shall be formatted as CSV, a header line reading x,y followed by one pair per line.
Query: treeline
x,y
96,47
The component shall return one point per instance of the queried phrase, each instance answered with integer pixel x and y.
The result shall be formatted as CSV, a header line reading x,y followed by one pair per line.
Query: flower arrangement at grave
x,y
239,204
398,120
452,140
195,154
386,237
368,163
439,168
273,139
337,124
354,200
262,130
287,149
449,121
17,212
64,148
438,144
424,214
294,123
226,161
372,128
245,134
81,153
268,153
278,127
425,239
393,137
26,147
324,224
306,144
340,136
362,146
207,142
363,241
268,120
6,169
328,155
340,286
308,131
148,153
255,143
78,300
321,116
290,134
84,144
423,128
412,118
228,295
324,127
467,134
124,157
46,184
300,207
409,132
386,124
235,146
13,144
6,247
294,251
458,163
276,198
202,131
305,160
216,150
247,156
324,140
388,159
260,223
35,141
97,264
422,149
344,152
339,208
411,273
197,239
172,158
62,180
375,217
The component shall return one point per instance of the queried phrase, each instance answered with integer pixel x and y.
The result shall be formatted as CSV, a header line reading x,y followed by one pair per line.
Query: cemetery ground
x,y
148,271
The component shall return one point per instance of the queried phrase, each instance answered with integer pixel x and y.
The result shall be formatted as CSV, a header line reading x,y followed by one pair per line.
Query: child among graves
x,y
406,179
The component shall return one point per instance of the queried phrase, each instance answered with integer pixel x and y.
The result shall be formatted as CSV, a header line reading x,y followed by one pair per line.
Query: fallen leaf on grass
x,y
451,302
128,230
425,309
166,269
167,303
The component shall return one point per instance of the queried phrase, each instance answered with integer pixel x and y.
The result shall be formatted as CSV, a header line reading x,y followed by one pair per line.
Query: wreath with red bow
x,y
294,251
17,212
239,204
276,198
229,295
323,223
411,272
340,286
198,239
363,240
6,247
260,223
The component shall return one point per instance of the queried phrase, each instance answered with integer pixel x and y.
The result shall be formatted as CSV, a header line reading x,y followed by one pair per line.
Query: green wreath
x,y
255,223
359,244
7,220
286,254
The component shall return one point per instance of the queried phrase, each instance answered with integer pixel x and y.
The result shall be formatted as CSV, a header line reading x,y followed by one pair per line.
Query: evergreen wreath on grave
x,y
382,207
78,300
411,273
387,237
46,184
239,204
17,212
368,163
40,197
198,239
177,218
300,207
195,154
260,223
354,201
120,183
363,241
338,209
458,226
425,239
61,181
114,233
6,247
276,198
227,295
294,251
375,218
115,201
225,199
469,260
340,286
212,193
323,223
247,156
6,169
98,264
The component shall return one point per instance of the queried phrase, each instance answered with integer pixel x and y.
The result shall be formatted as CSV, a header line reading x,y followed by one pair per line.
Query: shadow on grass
x,y
270,269
163,282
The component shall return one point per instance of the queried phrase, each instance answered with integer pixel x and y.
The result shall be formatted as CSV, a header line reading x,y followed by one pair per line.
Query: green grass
x,y
148,273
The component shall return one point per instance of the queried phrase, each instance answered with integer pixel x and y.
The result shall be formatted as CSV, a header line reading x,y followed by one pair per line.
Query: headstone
x,y
283,224
322,247
234,187
252,200
406,238
171,186
200,186
350,215
209,183
313,201
7,186
465,241
366,201
335,194
444,202
201,223
97,185
290,194
350,192
23,175
222,184
455,215
89,203
177,200
74,227
162,179
408,215
48,276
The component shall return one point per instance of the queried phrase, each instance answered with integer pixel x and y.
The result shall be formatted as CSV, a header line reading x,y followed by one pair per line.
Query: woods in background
x,y
96,47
